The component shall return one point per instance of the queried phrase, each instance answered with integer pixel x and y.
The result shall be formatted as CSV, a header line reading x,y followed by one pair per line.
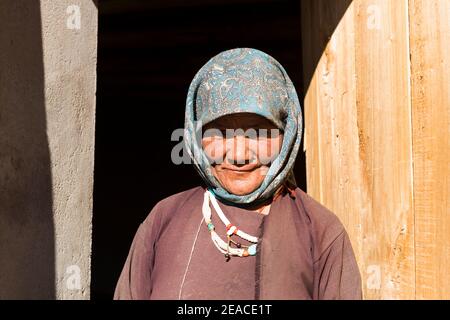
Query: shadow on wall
x,y
316,16
27,258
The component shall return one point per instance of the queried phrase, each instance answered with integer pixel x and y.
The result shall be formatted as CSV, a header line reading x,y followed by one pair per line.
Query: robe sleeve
x,y
337,272
135,279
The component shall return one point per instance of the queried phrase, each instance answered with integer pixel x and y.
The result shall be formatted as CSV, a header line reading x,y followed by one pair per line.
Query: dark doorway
x,y
148,53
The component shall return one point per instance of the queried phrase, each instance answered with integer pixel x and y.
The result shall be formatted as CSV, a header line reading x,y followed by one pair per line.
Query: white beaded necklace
x,y
222,246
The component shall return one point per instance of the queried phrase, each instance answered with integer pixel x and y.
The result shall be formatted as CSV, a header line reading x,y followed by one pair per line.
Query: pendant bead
x,y
252,250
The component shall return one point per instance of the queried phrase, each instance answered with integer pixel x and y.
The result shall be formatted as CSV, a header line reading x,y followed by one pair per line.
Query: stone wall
x,y
48,52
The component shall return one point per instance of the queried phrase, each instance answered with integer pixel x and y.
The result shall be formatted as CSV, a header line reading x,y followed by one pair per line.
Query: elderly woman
x,y
249,233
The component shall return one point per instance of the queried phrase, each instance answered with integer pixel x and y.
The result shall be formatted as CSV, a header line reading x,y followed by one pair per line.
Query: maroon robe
x,y
304,253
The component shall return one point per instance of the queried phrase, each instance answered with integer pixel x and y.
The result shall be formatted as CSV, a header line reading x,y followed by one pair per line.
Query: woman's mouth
x,y
241,169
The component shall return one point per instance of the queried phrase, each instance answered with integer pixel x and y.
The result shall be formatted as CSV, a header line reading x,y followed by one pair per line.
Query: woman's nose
x,y
237,151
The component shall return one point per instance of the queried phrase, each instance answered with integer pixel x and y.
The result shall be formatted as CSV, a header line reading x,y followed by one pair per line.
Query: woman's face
x,y
241,148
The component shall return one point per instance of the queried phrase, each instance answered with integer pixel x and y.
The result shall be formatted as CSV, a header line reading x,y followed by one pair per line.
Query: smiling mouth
x,y
243,169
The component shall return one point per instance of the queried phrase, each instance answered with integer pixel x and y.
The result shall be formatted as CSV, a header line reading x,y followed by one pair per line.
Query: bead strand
x,y
227,222
221,245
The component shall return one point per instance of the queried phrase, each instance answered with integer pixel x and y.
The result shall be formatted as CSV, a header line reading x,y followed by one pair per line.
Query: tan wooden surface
x,y
430,47
376,136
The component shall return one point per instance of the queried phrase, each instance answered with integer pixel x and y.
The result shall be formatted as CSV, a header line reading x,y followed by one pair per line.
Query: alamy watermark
x,y
233,146
73,21
73,277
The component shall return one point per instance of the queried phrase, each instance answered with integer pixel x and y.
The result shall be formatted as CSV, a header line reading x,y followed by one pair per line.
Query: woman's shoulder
x,y
167,207
316,211
325,225
180,198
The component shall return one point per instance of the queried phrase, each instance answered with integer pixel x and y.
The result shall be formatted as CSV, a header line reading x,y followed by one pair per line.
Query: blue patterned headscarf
x,y
244,80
